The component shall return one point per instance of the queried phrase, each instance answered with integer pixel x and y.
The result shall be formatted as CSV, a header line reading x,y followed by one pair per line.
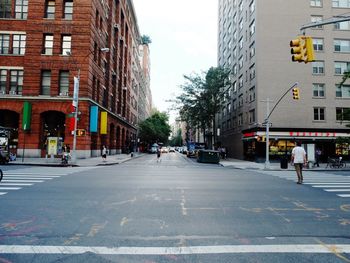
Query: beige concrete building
x,y
253,41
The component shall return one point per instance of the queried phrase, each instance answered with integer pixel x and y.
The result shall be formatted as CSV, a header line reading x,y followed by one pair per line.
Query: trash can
x,y
208,156
284,163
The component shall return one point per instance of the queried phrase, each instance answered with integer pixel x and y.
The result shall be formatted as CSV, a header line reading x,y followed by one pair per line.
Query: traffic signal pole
x,y
267,122
333,20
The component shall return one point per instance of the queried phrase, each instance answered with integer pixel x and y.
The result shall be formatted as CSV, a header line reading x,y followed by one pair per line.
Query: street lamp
x,y
76,103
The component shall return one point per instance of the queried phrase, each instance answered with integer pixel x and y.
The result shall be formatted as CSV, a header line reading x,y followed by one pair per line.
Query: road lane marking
x,y
344,195
241,249
14,184
330,186
28,178
337,190
10,188
3,193
45,174
22,181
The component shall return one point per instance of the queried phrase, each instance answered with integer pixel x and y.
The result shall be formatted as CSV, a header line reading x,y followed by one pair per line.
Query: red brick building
x,y
44,44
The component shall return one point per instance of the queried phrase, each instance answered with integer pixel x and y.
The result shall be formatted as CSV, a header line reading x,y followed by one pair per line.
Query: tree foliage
x,y
155,129
203,96
146,40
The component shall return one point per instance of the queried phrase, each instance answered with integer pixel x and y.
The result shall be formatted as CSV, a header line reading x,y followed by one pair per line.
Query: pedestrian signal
x,y
81,132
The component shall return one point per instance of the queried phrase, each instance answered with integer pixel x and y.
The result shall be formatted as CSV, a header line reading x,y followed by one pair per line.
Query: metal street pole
x,y
75,104
267,160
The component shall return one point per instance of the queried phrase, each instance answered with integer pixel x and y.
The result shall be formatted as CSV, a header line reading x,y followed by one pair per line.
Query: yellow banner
x,y
103,124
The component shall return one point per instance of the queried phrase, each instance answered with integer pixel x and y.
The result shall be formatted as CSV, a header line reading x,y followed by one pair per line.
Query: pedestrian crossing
x,y
14,180
331,183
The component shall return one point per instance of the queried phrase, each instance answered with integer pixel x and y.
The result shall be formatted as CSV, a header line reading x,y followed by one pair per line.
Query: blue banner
x,y
93,118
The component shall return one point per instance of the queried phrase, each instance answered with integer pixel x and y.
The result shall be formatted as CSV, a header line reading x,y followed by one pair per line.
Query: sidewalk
x,y
274,166
93,161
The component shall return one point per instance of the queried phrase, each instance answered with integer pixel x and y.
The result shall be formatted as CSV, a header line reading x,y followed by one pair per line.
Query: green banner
x,y
27,116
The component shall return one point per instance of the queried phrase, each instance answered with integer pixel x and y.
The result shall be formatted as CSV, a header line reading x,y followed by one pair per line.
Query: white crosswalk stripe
x,y
331,183
20,178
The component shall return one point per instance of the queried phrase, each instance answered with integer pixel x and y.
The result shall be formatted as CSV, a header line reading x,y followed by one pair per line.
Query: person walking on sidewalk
x,y
299,159
104,153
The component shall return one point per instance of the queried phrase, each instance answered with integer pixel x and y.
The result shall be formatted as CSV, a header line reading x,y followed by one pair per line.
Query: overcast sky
x,y
184,40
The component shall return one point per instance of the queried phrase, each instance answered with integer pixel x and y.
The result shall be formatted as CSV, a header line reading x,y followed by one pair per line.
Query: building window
x,y
50,9
317,19
5,8
64,83
251,116
240,100
234,87
342,91
341,67
21,9
342,25
45,82
66,44
316,3
240,43
19,44
341,3
240,62
252,28
4,43
318,67
342,114
252,7
252,50
68,10
319,114
252,72
240,119
318,44
240,24
318,90
48,44
16,82
240,81
341,45
3,81
252,94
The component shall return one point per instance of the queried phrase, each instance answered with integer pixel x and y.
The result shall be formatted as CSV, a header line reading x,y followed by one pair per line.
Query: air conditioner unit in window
x,y
13,92
2,92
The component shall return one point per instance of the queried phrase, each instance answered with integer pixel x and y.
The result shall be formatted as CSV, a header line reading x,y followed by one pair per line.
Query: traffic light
x,y
310,56
302,49
295,93
297,49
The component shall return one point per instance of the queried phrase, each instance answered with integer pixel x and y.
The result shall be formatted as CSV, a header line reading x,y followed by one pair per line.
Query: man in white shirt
x,y
299,159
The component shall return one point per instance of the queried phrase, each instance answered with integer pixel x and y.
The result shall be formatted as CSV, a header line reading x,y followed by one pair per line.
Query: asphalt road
x,y
175,210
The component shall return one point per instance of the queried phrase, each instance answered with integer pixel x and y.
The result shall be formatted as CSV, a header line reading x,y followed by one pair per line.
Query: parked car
x,y
164,149
172,149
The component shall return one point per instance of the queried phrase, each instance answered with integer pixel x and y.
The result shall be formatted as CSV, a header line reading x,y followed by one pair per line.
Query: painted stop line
x,y
293,248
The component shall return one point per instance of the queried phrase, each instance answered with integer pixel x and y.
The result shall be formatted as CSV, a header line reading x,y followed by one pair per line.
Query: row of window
x,y
339,45
319,114
335,3
11,82
340,67
19,9
319,90
12,44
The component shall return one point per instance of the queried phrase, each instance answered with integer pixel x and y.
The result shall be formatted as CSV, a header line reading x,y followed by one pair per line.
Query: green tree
x,y
146,40
202,98
155,128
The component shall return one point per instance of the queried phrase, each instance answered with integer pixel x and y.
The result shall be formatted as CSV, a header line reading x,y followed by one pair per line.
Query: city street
x,y
175,210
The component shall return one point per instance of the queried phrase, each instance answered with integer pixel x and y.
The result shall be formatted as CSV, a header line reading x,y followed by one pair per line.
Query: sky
x,y
184,41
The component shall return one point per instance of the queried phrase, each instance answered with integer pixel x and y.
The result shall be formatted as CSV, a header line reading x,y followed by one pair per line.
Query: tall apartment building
x,y
44,44
253,42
